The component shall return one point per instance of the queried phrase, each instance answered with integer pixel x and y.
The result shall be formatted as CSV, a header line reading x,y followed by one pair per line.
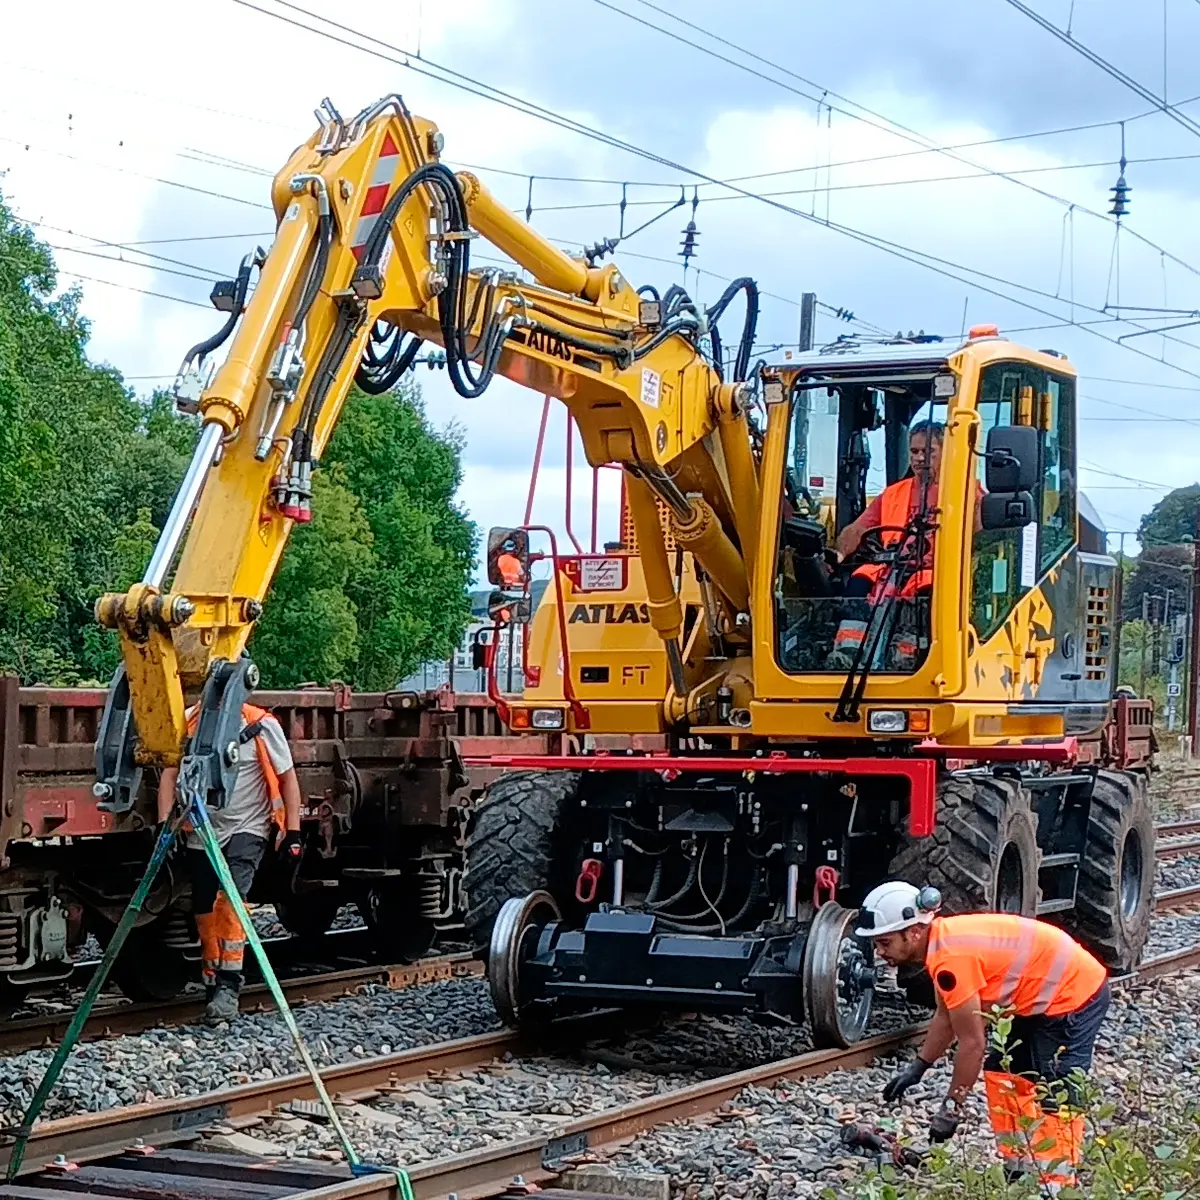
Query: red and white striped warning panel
x,y
382,179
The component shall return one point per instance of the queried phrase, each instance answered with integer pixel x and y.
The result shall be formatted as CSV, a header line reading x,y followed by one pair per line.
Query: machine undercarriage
x,y
717,890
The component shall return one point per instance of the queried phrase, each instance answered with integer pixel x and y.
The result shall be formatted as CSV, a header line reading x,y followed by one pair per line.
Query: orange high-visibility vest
x,y
895,503
1025,966
252,714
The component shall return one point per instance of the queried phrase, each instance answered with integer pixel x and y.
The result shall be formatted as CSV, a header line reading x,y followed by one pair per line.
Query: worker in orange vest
x,y
891,511
264,802
1056,992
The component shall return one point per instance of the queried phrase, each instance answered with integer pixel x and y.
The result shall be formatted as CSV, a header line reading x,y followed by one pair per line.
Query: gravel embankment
x,y
432,1118
1177,873
189,1060
1175,789
781,1142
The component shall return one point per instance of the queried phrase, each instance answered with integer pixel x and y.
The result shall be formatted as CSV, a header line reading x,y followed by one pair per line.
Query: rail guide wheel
x,y
838,978
519,925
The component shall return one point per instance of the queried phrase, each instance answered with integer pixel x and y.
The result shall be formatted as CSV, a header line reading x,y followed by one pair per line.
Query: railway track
x,y
141,1151
1177,839
116,1019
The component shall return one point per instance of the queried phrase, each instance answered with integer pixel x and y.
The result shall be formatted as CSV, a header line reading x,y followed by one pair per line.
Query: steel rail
x,y
1174,829
1176,848
1177,899
478,1173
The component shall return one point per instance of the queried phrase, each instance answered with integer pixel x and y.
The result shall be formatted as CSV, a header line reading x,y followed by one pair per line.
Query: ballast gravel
x,y
189,1060
436,1117
783,1141
1177,873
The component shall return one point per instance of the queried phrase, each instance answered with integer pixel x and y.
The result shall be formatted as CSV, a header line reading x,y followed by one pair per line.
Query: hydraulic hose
x,y
240,287
386,356
741,363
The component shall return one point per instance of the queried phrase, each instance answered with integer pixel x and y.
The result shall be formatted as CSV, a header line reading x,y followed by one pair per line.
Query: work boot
x,y
224,1004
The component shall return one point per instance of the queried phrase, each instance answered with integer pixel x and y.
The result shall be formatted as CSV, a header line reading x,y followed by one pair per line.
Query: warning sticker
x,y
651,387
601,574
1029,541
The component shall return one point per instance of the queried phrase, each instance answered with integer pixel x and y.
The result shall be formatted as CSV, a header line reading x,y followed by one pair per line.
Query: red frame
x,y
921,773
578,713
1065,751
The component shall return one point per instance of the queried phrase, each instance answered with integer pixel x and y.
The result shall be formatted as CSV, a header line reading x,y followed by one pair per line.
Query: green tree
x,y
1157,570
377,583
374,586
86,472
1172,519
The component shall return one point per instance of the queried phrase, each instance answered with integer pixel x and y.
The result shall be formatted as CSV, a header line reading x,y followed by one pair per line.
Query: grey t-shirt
x,y
248,809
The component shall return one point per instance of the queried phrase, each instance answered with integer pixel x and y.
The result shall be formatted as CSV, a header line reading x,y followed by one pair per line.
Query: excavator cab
x,y
867,448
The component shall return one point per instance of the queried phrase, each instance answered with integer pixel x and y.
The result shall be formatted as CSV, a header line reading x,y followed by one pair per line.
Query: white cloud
x,y
144,88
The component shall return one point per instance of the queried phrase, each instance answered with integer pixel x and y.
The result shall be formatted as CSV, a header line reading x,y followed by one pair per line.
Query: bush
x,y
1141,1140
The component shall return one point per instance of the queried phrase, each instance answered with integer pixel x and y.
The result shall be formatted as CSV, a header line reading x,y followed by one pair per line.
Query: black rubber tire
x,y
1112,909
983,825
983,850
514,845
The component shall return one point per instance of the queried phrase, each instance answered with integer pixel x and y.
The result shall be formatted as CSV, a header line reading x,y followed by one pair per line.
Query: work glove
x,y
943,1125
905,1078
292,846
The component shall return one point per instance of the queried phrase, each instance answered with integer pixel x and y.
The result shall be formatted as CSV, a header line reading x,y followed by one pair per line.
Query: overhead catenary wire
x,y
873,118
1170,110
251,118
473,85
100,164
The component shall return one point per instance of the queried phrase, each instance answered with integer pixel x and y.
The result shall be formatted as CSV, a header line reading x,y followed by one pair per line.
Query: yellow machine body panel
x,y
735,613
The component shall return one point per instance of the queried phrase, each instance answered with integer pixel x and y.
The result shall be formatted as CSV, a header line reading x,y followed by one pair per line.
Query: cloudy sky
x,y
141,138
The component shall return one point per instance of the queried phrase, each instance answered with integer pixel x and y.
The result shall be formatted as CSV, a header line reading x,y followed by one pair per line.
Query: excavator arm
x,y
371,257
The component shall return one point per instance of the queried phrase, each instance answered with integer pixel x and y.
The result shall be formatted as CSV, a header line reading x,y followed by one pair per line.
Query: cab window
x,y
1006,563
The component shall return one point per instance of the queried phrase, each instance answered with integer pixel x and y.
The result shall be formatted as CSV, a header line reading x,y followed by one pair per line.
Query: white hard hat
x,y
896,905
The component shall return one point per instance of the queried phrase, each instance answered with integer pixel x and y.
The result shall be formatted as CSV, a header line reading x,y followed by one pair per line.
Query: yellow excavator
x,y
770,694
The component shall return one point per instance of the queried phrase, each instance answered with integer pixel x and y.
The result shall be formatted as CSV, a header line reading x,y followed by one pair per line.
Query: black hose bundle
x,y
241,286
386,356
741,364
452,315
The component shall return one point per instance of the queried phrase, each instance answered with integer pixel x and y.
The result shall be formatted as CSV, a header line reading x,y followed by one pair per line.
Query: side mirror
x,y
508,558
1006,510
510,609
1012,459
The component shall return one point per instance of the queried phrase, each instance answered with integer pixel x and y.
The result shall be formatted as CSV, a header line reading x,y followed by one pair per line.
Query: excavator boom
x,y
371,257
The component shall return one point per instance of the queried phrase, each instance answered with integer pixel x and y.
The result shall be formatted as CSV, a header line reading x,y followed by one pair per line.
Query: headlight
x,y
887,720
548,718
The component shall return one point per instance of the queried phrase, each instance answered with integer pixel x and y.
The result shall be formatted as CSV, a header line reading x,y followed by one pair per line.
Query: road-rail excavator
x,y
771,693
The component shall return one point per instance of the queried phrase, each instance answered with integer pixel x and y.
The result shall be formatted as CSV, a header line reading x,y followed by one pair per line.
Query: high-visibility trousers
x,y
1032,1133
1048,1144
222,941
222,938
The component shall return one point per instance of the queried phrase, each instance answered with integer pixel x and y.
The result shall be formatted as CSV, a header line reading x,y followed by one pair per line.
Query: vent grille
x,y
629,533
1095,660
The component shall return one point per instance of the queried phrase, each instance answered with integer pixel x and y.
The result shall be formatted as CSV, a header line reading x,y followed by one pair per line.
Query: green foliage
x,y
374,586
1142,1141
377,584
1157,570
1172,519
86,473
